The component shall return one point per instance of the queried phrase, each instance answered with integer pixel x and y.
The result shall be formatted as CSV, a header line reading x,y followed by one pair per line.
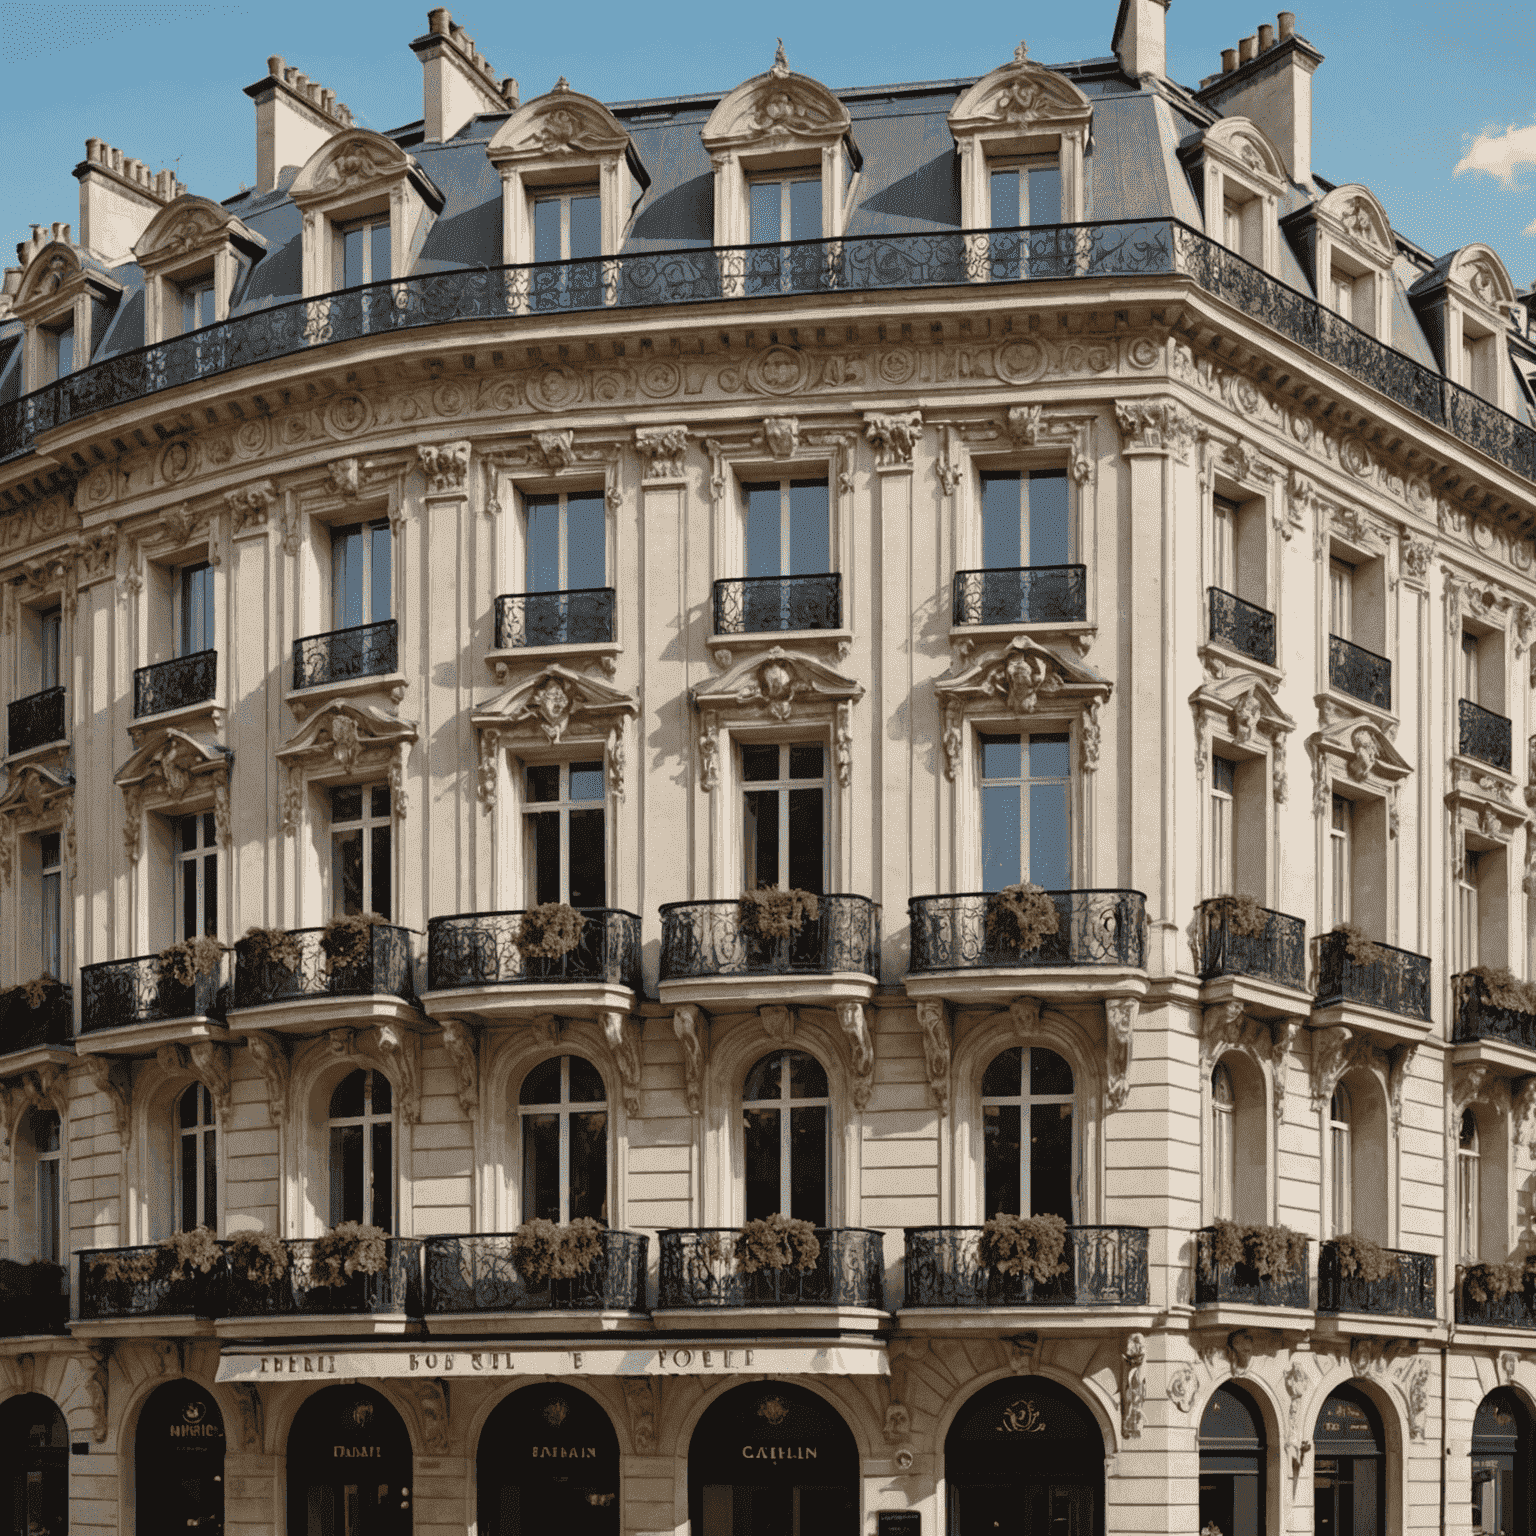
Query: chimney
x,y
118,198
294,117
456,82
1140,39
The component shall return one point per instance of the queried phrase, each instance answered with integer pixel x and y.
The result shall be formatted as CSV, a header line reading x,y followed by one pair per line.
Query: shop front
x,y
1501,1466
179,1461
1232,1455
349,1466
1348,1477
34,1466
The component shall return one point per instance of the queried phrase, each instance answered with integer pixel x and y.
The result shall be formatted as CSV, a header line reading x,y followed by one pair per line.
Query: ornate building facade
x,y
1074,553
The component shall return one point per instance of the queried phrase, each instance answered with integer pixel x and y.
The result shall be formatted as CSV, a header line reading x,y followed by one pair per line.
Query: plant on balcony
x,y
543,1251
34,993
1242,915
550,930
181,964
1502,988
195,1250
274,946
769,913
351,1248
1493,1282
1024,1245
1361,1259
1021,914
261,1258
1361,949
1275,1252
27,1282
131,1266
348,941
777,1242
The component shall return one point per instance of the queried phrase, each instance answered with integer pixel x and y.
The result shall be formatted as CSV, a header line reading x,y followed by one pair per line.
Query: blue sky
x,y
1409,90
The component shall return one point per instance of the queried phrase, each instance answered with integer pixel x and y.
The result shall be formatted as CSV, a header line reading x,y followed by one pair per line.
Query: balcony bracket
x,y
111,1079
623,1036
691,1026
1120,1016
861,1051
933,1020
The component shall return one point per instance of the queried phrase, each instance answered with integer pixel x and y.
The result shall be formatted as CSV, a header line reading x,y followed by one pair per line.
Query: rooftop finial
x,y
780,63
562,84
1021,53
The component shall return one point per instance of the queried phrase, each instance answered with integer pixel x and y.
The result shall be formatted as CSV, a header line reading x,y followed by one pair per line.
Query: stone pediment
x,y
564,124
776,109
33,788
1481,801
53,277
355,162
1244,145
1245,702
342,739
1022,96
780,684
1015,679
1363,750
191,226
170,762
1477,270
1355,212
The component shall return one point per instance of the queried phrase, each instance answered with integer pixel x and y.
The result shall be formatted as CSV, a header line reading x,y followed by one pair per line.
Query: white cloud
x,y
1501,154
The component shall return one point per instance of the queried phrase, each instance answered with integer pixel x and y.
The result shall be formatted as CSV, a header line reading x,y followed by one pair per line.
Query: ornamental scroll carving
x,y
109,1077
1033,426
1120,1019
1154,426
894,437
464,1054
861,1051
270,1054
340,739
690,1027
623,1037
933,1021
661,450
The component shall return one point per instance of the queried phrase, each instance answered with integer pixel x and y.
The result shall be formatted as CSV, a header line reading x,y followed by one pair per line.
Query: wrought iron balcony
x,y
1105,1267
384,971
1478,1017
481,949
1026,594
750,605
32,1299
1398,982
1242,625
1484,735
699,1268
365,650
1410,1292
1279,954
24,1025
35,721
139,991
480,1274
158,1294
580,617
1360,673
952,933
175,684
396,1288
1241,1284
1515,1309
711,938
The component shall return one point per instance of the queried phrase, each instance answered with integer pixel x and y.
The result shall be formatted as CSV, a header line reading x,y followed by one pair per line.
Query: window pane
x,y
808,1165
347,871
1001,757
1005,199
210,1141
204,307
53,959
188,872
764,1079
381,876
999,836
805,210
352,257
346,1173
1048,517
346,805
378,799
1048,1073
542,1084
1044,194
807,1080
347,1098
1049,756
66,351
808,527
53,634
546,229
760,837
383,1191
189,1162
1050,1160
380,595
766,224
759,763
544,782
1223,775
188,310
586,1082
1001,522
378,254
764,533
545,831
48,1211
187,1108
1000,1136
1004,1075
585,535
807,839
347,576
586,781
761,1146
806,759
589,1167
586,227
1048,836
543,549
588,860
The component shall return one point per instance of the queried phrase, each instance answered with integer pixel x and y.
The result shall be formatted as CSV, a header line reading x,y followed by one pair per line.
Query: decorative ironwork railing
x,y
750,605
158,1294
480,1274
24,1025
1515,1309
1398,982
1242,1284
176,683
396,1288
1104,1267
262,978
365,650
34,721
1279,954
712,938
1360,673
1244,626
1484,735
139,991
1409,1292
583,616
959,933
1025,594
34,1299
481,949
1478,1017
699,1268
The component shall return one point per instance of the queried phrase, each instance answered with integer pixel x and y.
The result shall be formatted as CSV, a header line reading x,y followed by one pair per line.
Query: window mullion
x,y
785,532
786,1194
563,541
563,1177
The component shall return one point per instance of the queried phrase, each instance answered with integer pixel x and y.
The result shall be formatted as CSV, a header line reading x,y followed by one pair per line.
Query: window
x,y
784,815
362,1164
1024,816
1223,1144
1024,519
566,542
1242,227
1468,1196
48,1152
1341,577
1224,544
51,638
1467,916
196,304
1341,1150
362,252
568,225
564,818
1479,364
1026,1115
362,846
197,874
786,1118
564,1111
786,208
1223,788
197,1194
51,903
194,612
58,348
788,528
360,574
1341,836
1026,195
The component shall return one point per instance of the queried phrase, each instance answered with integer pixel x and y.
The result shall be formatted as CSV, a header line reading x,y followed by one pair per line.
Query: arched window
x,y
362,1139
1468,1188
564,1110
1341,1148
1026,1113
197,1191
1232,1458
786,1119
1223,1144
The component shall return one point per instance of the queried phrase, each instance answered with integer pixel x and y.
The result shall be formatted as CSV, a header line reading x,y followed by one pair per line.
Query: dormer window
x,y
1239,176
195,254
362,252
59,300
1026,194
786,207
568,225
1346,247
1464,302
58,353
196,303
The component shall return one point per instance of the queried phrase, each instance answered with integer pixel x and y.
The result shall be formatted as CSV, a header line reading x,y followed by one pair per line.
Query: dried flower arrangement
x,y
550,930
34,993
261,1257
1024,1245
274,946
543,1251
769,913
777,1242
195,1250
1501,987
348,941
1493,1282
181,964
1275,1252
1022,915
350,1248
1361,949
1242,915
1361,1259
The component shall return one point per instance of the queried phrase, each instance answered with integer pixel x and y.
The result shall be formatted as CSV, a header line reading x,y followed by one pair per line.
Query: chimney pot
x,y
509,91
1266,37
456,32
1287,20
1245,48
115,159
275,65
93,151
1228,60
328,101
438,21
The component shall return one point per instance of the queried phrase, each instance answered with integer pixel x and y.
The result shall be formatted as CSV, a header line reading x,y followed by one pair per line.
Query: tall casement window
x,y
788,534
197,1176
58,349
1024,816
1223,1144
1466,910
1026,1117
784,800
362,252
1223,787
361,583
786,207
566,542
1341,854
48,1188
1342,1154
50,648
1467,676
786,1122
566,838
1026,194
567,224
1468,1189
1024,519
192,304
362,850
1224,544
51,902
194,610
1341,578
564,1112
362,1147
197,874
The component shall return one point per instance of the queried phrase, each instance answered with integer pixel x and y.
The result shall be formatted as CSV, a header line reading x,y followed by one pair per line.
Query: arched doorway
x,y
1348,1481
179,1460
1025,1457
548,1461
1501,1466
768,1459
34,1466
349,1466
1232,1465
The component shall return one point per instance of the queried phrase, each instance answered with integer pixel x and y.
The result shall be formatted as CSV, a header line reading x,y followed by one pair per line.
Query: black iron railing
x,y
1514,1309
160,1293
176,683
1479,1017
1278,954
1360,673
396,1288
32,1299
261,977
1242,625
580,617
713,938
1409,1291
1484,735
1242,1284
1397,982
1104,1267
964,932
480,1274
141,991
34,721
25,1024
700,1268
365,650
481,949
749,605
1026,594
